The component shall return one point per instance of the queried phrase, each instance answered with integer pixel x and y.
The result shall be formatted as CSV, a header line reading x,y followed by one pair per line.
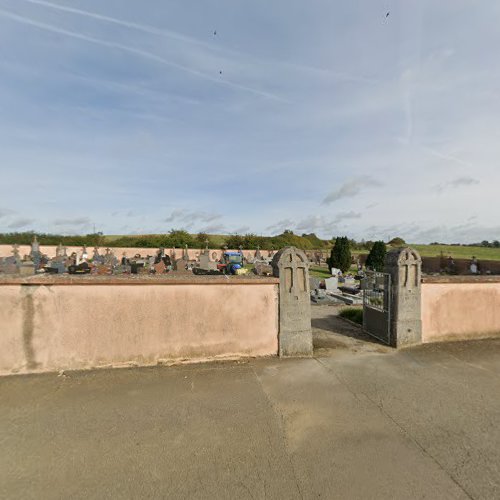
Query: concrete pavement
x,y
358,420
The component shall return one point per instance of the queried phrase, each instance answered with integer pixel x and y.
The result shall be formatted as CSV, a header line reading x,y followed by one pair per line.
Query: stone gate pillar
x,y
405,267
295,336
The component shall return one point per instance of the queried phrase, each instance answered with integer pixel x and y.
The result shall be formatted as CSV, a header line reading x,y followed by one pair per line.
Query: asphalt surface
x,y
359,420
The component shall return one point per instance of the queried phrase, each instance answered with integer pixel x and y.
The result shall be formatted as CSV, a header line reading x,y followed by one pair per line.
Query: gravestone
x,y
207,264
97,258
180,267
291,266
314,283
109,258
405,267
160,267
262,269
16,258
10,269
258,255
332,284
35,254
35,246
85,254
60,251
102,269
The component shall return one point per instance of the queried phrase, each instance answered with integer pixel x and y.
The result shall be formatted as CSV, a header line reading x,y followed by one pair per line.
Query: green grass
x,y
457,252
353,314
319,272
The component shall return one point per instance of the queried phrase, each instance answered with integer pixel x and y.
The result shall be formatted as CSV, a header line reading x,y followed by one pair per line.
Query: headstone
x,y
160,267
119,269
103,269
97,257
85,254
15,253
180,267
258,255
349,281
314,283
335,271
58,266
9,268
206,263
332,284
262,269
109,258
35,246
295,336
405,267
60,251
27,268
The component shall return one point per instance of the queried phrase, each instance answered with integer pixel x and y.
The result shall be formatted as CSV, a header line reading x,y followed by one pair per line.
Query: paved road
x,y
357,421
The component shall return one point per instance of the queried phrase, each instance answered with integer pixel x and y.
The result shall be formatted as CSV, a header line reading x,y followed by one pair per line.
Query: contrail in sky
x,y
137,52
447,157
183,38
127,24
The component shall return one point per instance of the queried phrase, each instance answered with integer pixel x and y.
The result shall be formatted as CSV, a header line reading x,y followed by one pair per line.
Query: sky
x,y
230,116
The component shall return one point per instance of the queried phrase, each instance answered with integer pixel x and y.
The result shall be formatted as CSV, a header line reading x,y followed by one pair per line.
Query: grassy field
x,y
457,252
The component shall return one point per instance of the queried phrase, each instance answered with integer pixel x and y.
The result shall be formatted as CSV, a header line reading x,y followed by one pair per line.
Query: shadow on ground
x,y
331,332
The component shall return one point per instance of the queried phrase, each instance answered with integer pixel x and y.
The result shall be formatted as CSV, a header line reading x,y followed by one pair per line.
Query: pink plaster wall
x,y
50,328
453,311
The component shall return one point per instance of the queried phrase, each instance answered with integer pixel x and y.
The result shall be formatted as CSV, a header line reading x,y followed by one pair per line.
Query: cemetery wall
x,y
460,307
462,266
50,251
67,326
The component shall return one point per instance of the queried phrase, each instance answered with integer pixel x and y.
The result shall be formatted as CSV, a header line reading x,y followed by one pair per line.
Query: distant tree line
x,y
484,243
51,239
174,238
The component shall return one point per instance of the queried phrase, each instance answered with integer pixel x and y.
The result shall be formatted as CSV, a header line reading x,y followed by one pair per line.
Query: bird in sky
x,y
215,32
220,72
387,15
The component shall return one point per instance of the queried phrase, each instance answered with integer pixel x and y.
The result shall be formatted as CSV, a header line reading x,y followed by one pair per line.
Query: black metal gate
x,y
377,305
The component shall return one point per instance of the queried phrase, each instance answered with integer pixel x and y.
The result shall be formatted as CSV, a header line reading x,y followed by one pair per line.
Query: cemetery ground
x,y
357,420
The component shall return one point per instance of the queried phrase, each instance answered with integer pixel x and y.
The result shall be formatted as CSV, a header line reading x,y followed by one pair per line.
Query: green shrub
x,y
353,314
340,257
376,257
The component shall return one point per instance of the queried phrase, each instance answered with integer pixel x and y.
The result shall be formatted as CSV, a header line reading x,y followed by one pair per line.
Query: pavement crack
x,y
402,429
281,425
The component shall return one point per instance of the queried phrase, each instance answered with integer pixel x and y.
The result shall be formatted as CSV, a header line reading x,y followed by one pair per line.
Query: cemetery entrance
x,y
377,306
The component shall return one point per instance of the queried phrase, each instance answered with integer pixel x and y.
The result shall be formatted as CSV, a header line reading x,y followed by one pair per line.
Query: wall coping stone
x,y
65,280
461,279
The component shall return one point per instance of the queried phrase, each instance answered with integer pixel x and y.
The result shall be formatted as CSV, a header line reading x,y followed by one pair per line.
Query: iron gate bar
x,y
377,305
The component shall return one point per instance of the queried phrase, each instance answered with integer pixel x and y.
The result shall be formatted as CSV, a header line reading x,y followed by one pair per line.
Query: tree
x,y
496,244
180,238
340,256
376,257
202,237
397,242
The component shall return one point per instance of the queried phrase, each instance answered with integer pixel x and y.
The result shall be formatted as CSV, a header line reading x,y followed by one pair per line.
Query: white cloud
x,y
20,223
456,183
350,189
75,221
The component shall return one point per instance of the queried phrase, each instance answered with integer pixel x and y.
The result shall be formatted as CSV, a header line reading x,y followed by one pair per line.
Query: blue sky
x,y
328,117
